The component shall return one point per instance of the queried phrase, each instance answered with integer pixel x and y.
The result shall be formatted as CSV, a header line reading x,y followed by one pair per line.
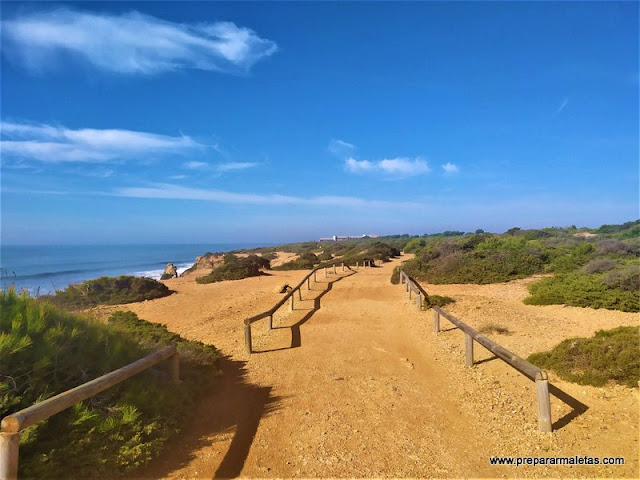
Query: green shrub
x,y
414,245
324,256
599,265
611,355
581,290
236,268
306,261
108,291
45,351
571,259
633,227
611,246
627,278
395,275
437,301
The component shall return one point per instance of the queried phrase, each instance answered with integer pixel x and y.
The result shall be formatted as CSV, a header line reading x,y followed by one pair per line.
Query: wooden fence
x,y
289,296
11,425
534,373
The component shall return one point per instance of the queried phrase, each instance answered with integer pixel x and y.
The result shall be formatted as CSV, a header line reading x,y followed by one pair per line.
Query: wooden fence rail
x,y
289,296
471,335
11,425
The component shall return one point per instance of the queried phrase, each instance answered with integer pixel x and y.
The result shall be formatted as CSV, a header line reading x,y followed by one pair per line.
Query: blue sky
x,y
270,122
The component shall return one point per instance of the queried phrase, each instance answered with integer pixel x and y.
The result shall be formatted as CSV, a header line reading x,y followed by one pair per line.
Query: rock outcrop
x,y
170,271
208,261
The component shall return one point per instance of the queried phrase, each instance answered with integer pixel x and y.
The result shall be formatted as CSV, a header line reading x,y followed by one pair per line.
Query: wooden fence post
x,y
436,321
270,322
314,276
174,367
419,301
309,283
334,268
291,302
469,349
401,277
410,290
357,263
544,403
300,294
9,443
247,336
343,266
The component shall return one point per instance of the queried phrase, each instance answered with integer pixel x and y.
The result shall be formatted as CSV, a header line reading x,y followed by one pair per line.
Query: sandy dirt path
x,y
354,384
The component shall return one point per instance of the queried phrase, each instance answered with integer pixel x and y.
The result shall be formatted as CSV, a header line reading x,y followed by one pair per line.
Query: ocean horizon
x,y
43,269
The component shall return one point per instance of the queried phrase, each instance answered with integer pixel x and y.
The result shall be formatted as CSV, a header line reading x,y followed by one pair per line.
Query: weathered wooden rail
x,y
13,424
534,373
288,297
412,287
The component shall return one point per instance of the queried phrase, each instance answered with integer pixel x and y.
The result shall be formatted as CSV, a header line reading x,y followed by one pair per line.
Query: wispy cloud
x,y
193,165
177,192
227,167
450,168
132,43
57,144
220,167
340,147
399,167
562,106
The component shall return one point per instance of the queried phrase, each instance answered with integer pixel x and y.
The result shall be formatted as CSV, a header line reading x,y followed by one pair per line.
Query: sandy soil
x,y
283,257
353,383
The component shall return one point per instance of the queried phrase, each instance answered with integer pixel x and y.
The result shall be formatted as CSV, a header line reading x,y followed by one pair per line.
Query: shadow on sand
x,y
296,340
234,405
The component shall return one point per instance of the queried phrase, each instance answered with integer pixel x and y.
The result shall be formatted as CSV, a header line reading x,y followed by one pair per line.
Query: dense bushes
x,y
599,271
108,291
236,268
582,291
475,259
44,351
611,355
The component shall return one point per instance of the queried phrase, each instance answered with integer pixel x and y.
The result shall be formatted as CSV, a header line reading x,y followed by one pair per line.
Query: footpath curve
x,y
350,384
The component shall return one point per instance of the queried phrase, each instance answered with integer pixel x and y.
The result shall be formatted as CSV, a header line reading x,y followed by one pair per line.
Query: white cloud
x,y
195,165
177,192
398,167
359,166
132,43
56,144
394,167
450,168
226,167
340,147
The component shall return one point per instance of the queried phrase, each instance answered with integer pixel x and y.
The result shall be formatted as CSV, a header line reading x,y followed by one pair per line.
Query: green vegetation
x,y
45,351
349,251
437,301
475,259
580,290
600,270
611,355
108,291
236,268
324,256
306,261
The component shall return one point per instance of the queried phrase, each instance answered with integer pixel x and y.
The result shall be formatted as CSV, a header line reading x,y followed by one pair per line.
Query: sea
x,y
45,269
